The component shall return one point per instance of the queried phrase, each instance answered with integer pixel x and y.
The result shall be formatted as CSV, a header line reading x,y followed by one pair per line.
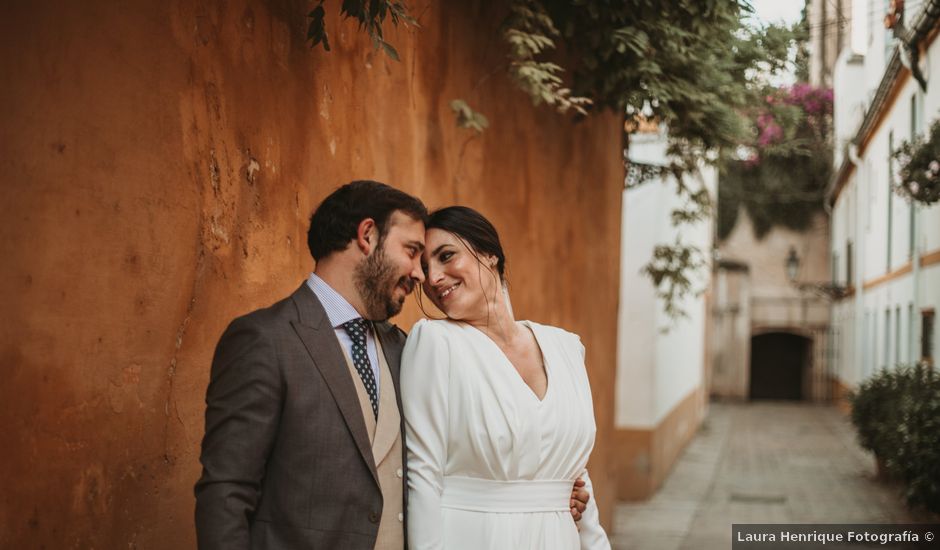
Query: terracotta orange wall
x,y
161,160
644,457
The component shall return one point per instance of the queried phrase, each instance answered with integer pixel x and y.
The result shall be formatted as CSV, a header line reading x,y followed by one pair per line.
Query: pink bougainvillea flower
x,y
770,134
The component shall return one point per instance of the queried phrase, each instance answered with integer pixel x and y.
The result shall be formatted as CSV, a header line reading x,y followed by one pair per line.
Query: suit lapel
x,y
393,343
318,337
388,428
393,340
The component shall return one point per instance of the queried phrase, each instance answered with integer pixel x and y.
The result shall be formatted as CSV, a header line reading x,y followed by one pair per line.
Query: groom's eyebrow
x,y
417,244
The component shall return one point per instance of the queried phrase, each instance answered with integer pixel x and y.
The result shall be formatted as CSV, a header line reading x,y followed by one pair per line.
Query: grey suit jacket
x,y
287,462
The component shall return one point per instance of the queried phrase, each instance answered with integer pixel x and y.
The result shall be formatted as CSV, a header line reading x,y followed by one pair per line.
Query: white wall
x,y
881,203
847,84
730,333
636,358
656,369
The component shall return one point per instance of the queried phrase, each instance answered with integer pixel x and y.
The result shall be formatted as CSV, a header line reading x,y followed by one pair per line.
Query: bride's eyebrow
x,y
438,250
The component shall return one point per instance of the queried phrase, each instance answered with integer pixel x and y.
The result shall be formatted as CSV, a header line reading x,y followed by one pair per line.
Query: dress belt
x,y
488,495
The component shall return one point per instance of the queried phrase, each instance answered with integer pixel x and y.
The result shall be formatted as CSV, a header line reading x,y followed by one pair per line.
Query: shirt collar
x,y
338,309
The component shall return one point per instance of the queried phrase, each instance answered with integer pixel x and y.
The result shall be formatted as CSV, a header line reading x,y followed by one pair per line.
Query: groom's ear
x,y
367,236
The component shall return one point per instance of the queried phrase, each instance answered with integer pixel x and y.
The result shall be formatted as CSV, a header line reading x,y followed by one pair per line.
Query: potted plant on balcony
x,y
919,174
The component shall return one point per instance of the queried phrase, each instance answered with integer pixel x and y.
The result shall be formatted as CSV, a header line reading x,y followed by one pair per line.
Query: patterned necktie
x,y
356,329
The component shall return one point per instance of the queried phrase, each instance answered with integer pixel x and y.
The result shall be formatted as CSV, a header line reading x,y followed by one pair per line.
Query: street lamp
x,y
831,291
793,265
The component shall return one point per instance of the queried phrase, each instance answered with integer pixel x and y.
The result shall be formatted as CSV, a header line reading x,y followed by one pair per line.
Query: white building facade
x,y
884,248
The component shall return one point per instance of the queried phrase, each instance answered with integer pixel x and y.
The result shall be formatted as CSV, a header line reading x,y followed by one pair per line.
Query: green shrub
x,y
874,411
897,415
917,457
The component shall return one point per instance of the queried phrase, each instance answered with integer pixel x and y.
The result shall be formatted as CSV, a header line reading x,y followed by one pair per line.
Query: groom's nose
x,y
417,274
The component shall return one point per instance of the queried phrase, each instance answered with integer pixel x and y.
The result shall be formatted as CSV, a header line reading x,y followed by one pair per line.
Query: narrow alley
x,y
769,462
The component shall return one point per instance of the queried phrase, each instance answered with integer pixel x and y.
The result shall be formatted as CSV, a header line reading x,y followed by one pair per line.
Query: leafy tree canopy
x,y
688,64
780,169
782,179
691,65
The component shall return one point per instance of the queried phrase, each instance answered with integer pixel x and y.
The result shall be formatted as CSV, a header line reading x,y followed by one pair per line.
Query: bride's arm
x,y
591,533
424,382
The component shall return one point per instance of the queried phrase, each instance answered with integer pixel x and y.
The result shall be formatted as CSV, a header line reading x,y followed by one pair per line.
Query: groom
x,y
303,446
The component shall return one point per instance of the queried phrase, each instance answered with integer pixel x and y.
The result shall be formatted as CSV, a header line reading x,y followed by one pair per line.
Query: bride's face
x,y
459,281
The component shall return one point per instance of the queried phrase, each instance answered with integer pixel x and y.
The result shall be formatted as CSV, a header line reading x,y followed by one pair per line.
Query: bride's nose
x,y
435,275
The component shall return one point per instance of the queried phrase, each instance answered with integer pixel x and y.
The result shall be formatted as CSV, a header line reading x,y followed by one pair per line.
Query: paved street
x,y
759,463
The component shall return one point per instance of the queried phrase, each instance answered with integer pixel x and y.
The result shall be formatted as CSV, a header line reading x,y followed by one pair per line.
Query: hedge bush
x,y
897,415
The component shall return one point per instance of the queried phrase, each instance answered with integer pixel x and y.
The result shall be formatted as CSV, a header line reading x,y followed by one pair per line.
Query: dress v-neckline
x,y
516,374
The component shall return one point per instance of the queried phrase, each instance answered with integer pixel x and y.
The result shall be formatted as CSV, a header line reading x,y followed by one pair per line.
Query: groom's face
x,y
387,275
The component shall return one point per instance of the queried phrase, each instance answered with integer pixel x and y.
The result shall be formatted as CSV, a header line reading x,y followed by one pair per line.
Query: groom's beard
x,y
375,280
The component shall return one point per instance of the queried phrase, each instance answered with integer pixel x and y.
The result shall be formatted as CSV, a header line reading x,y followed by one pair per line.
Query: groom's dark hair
x,y
336,220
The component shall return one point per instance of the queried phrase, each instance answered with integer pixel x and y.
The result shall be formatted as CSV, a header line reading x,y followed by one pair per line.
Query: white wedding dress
x,y
490,466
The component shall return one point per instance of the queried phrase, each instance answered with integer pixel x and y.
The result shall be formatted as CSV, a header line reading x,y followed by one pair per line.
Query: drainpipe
x,y
910,58
914,332
905,57
858,269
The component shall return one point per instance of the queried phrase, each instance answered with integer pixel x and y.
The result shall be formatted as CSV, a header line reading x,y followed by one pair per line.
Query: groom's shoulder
x,y
279,313
390,332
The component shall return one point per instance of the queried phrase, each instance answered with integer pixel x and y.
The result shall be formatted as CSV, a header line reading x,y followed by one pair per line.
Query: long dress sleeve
x,y
591,533
424,384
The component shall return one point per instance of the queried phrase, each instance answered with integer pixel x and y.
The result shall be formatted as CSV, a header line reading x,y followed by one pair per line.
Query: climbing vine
x,y
370,14
782,179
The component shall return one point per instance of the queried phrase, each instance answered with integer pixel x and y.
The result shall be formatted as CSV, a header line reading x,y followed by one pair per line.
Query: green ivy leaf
x,y
467,117
370,14
316,31
389,50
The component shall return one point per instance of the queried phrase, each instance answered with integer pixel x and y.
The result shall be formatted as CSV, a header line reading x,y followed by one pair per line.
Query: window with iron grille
x,y
849,281
926,335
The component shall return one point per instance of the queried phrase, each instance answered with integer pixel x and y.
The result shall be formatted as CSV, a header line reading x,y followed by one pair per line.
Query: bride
x,y
499,416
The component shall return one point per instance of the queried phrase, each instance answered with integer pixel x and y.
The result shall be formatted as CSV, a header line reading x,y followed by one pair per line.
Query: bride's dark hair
x,y
476,233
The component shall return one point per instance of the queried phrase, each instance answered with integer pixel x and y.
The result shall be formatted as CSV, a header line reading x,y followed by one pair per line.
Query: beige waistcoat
x,y
385,435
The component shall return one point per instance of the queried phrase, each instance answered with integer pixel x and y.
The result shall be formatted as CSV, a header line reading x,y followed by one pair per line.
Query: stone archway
x,y
779,363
